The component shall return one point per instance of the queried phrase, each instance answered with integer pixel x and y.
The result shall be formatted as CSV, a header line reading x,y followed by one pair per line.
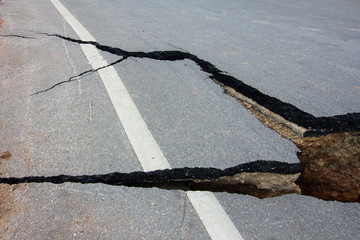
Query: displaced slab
x,y
195,124
307,60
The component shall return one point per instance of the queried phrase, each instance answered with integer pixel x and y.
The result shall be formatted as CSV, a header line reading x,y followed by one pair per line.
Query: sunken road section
x,y
330,146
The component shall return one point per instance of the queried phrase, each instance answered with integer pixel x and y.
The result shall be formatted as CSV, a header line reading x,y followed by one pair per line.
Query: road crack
x,y
319,138
77,77
247,178
315,126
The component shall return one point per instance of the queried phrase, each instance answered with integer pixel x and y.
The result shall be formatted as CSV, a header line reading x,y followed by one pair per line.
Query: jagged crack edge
x,y
316,126
163,176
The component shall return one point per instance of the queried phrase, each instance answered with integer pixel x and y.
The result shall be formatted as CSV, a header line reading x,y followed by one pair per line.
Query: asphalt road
x,y
303,53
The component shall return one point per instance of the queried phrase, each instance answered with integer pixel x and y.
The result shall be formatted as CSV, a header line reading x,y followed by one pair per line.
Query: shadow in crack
x,y
308,132
260,178
316,126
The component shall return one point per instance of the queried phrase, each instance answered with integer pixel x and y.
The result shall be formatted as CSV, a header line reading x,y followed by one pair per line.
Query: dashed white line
x,y
215,219
213,216
309,29
147,150
261,22
355,29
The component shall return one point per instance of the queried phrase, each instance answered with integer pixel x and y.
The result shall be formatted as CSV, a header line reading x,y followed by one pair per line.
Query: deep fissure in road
x,y
315,126
261,179
330,162
330,146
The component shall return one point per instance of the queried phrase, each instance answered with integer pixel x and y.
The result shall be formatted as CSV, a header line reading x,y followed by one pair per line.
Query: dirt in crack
x,y
261,179
330,162
331,166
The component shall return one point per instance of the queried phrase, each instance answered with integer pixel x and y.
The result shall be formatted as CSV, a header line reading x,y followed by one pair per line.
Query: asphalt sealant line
x,y
247,178
316,126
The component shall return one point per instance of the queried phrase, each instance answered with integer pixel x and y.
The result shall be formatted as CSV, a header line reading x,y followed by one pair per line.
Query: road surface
x,y
305,54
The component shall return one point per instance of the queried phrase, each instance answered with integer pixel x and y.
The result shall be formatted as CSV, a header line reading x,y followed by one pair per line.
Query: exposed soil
x,y
331,166
331,163
273,121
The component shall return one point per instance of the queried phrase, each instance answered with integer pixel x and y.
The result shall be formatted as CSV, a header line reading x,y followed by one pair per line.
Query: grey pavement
x,y
194,122
73,128
306,54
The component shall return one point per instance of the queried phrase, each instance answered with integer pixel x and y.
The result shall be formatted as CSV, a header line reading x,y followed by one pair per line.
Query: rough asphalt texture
x,y
304,53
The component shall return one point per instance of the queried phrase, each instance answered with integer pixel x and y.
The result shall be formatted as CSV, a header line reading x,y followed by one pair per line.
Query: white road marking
x,y
355,29
309,29
149,154
146,148
261,22
217,222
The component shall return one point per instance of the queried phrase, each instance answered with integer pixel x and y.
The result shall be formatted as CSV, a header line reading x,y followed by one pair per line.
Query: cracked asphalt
x,y
56,116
